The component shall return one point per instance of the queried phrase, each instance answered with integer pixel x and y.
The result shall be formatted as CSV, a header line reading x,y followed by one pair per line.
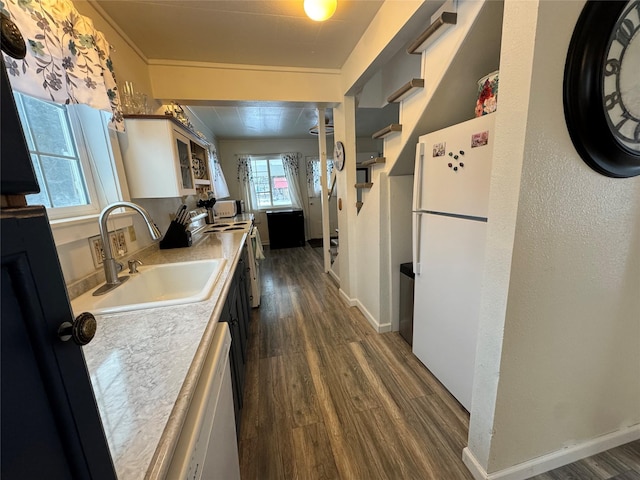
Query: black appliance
x,y
406,301
286,228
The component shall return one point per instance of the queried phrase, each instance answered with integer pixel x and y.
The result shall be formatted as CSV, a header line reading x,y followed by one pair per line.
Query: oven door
x,y
255,248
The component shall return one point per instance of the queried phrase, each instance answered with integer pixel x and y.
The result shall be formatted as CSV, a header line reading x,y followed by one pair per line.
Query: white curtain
x,y
220,188
245,178
96,146
290,164
314,186
68,61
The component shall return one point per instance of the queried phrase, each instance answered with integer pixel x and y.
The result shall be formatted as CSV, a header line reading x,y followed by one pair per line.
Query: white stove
x,y
241,223
228,225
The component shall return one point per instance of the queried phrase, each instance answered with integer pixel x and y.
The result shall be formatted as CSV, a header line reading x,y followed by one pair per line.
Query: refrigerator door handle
x,y
417,228
417,179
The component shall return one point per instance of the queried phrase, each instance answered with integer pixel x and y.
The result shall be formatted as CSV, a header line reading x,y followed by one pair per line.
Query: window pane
x,y
38,198
270,183
64,181
23,120
279,184
49,127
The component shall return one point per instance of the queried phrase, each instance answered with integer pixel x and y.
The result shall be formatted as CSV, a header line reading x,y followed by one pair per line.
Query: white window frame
x,y
268,159
92,207
105,185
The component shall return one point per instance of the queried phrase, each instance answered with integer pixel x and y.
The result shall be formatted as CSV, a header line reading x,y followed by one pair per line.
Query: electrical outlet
x,y
132,233
122,242
97,252
118,243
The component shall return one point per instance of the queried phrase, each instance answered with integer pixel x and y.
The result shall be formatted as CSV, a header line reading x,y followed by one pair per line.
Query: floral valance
x,y
67,59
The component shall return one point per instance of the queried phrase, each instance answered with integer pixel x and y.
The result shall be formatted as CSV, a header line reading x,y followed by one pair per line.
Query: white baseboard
x,y
350,301
335,277
354,302
380,328
555,459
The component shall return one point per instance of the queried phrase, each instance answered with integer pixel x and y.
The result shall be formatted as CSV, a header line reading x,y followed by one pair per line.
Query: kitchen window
x,y
270,183
68,144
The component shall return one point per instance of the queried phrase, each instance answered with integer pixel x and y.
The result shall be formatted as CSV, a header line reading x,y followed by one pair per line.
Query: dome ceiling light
x,y
320,10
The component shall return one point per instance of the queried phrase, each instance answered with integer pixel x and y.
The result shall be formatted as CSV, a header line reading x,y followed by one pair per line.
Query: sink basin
x,y
156,286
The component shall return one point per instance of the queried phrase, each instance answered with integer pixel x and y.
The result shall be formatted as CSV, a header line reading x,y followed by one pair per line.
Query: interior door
x,y
314,221
51,427
315,206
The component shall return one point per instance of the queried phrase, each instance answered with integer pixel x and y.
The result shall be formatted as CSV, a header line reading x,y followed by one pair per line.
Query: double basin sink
x,y
156,286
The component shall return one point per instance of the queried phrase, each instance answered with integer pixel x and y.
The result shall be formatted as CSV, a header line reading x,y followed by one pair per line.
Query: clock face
x,y
620,78
601,89
339,155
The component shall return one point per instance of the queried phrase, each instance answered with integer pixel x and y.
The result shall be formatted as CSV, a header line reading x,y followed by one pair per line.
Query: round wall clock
x,y
602,87
338,155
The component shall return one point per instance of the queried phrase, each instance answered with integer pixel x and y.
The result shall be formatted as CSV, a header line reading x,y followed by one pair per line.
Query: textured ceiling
x,y
273,121
247,32
262,32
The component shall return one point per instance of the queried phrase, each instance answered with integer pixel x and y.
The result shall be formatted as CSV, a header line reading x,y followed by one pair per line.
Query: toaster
x,y
225,208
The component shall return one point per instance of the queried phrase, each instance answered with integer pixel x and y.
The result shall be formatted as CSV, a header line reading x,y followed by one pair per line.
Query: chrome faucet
x,y
110,265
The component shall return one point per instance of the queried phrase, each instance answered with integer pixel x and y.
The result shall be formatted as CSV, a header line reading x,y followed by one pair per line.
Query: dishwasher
x,y
207,448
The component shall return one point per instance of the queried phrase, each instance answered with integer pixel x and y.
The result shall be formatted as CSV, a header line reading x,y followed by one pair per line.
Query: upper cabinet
x,y
162,158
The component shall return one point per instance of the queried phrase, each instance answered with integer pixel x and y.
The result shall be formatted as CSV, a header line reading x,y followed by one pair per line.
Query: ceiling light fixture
x,y
328,128
320,10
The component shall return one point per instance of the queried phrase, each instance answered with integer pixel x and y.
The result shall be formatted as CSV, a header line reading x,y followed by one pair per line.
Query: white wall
x,y
569,363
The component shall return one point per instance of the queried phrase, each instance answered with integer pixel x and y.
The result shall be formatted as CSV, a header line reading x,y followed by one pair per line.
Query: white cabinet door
x,y
183,156
157,159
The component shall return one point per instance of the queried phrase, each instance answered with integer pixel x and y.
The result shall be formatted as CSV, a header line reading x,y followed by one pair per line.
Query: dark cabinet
x,y
236,313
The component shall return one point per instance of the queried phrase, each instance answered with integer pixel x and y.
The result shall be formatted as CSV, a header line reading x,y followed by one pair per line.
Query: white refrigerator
x,y
450,207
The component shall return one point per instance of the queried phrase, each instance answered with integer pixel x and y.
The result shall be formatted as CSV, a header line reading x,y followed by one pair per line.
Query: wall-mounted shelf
x,y
394,127
373,161
433,31
406,90
364,185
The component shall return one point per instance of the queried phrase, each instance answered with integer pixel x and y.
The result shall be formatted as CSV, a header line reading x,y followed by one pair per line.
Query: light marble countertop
x,y
144,364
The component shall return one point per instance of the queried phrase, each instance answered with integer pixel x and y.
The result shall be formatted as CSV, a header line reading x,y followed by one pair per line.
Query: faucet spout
x,y
109,263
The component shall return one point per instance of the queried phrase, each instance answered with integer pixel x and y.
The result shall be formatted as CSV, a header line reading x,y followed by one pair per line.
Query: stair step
x,y
407,89
394,127
373,161
364,185
428,36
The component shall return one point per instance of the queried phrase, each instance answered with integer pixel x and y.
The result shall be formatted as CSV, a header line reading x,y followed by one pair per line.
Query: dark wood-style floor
x,y
326,397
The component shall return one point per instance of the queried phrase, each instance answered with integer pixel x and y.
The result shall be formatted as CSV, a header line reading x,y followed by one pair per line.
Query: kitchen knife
x,y
181,209
184,217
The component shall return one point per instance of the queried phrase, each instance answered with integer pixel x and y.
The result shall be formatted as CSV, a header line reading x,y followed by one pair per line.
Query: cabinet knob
x,y
81,330
13,43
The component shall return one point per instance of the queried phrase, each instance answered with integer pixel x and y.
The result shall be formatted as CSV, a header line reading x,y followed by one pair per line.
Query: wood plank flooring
x,y
621,463
326,397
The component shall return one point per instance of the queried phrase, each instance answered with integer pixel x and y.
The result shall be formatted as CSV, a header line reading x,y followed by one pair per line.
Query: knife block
x,y
177,236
